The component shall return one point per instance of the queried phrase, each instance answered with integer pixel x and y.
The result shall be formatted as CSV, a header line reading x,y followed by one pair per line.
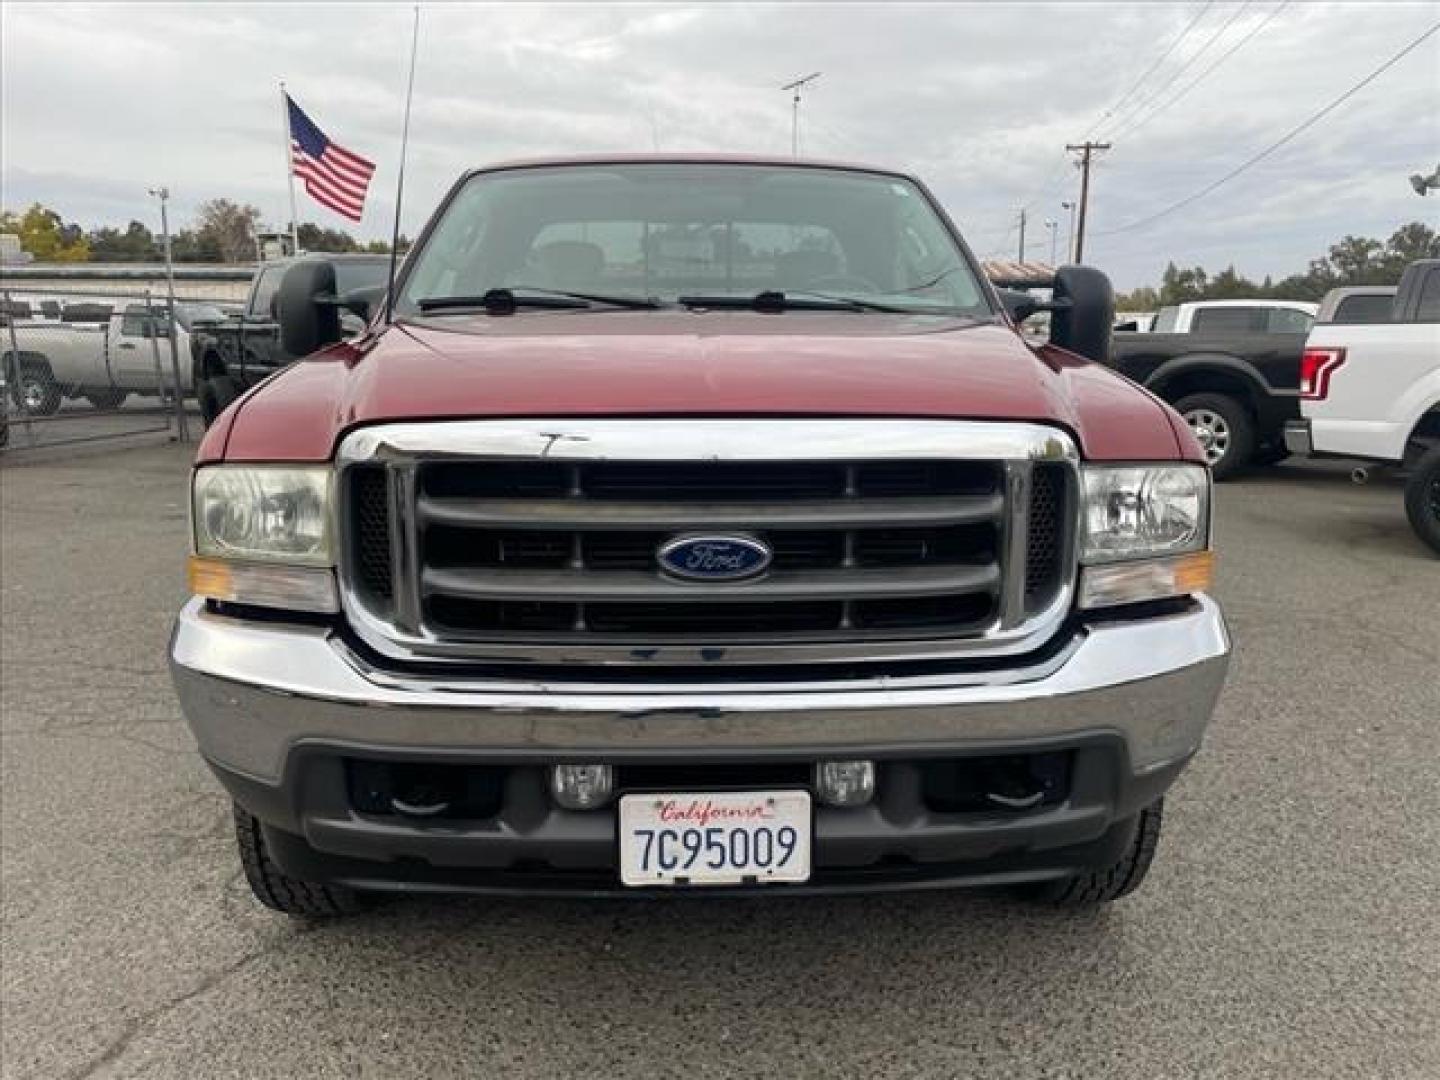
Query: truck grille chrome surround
x,y
536,541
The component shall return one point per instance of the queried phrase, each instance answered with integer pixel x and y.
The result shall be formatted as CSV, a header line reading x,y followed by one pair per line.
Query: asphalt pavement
x,y
1290,927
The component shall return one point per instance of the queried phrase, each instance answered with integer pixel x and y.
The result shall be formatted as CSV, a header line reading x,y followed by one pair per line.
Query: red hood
x,y
612,363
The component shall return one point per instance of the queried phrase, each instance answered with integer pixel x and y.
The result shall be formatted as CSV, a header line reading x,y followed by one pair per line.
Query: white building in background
x,y
11,253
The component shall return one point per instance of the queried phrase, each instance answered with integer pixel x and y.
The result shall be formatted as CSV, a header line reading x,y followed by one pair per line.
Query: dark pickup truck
x,y
1230,368
231,356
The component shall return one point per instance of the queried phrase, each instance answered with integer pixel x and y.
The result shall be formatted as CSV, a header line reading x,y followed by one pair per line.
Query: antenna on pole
x,y
400,180
796,87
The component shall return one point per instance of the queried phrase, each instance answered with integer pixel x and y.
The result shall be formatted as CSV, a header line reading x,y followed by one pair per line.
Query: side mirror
x,y
1020,305
1083,307
305,307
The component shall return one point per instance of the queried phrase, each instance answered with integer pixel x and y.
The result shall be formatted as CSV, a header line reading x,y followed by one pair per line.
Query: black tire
x,y
277,890
215,393
1270,454
1225,429
1111,882
105,400
1422,498
36,392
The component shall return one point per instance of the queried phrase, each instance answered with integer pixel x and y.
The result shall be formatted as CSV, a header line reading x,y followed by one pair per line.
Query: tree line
x,y
223,231
1353,260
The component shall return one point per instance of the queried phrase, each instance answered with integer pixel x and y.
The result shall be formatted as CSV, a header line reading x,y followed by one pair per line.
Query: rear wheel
x,y
1107,883
1224,429
278,890
1422,497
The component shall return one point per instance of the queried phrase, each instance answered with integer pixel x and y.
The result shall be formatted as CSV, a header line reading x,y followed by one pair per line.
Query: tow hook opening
x,y
425,791
1014,783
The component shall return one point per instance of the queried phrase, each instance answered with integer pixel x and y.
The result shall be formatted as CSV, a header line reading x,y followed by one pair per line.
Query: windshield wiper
x,y
505,301
786,301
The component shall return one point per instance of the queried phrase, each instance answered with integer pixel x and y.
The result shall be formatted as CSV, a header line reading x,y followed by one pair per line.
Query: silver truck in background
x,y
103,361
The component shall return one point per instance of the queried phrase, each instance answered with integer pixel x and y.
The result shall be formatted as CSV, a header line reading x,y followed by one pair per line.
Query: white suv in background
x,y
1372,391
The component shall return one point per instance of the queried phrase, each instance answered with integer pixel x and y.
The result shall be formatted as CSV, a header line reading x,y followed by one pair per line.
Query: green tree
x,y
135,244
45,235
227,228
1409,243
313,238
382,247
1178,286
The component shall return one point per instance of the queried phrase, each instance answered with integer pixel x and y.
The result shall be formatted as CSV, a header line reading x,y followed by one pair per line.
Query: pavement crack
x,y
148,1021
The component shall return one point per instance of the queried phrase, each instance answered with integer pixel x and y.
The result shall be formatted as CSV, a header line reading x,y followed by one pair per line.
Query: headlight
x,y
1142,511
1145,533
263,537
264,513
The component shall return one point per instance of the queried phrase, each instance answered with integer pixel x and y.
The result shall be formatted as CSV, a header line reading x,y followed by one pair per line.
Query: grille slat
x,y
568,514
645,587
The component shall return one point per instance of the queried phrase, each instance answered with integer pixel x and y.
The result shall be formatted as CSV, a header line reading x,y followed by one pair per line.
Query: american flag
x,y
334,177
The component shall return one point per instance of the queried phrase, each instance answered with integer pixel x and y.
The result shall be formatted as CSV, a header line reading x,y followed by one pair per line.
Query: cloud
x,y
100,103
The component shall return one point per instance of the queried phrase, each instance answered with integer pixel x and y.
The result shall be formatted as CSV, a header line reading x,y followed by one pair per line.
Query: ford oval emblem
x,y
714,558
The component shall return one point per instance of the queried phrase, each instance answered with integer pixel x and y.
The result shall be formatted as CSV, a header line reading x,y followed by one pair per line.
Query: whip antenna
x,y
400,180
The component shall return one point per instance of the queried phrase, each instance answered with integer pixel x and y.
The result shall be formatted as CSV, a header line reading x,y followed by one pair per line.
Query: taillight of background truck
x,y
1316,367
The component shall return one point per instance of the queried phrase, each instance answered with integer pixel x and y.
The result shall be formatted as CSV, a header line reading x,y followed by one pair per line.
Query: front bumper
x,y
278,708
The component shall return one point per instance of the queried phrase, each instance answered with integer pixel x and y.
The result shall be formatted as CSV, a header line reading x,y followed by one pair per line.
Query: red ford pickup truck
x,y
686,524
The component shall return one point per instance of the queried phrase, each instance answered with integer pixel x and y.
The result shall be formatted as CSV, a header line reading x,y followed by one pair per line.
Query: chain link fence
x,y
81,366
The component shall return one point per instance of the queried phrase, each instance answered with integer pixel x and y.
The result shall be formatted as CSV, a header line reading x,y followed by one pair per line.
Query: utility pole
x,y
796,87
1087,149
1070,241
1054,227
181,431
1021,256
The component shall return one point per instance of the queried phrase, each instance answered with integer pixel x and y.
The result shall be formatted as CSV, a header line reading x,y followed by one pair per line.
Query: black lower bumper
x,y
319,828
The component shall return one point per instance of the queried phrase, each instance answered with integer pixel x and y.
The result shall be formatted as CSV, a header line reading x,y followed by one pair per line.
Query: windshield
x,y
666,231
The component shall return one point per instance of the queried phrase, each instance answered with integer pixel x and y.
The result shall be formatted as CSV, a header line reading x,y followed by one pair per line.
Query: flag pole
x,y
400,180
290,170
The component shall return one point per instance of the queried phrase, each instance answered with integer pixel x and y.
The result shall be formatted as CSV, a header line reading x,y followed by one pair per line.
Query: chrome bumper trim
x,y
252,691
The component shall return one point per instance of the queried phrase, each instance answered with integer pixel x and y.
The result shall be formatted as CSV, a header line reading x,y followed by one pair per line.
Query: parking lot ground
x,y
1290,927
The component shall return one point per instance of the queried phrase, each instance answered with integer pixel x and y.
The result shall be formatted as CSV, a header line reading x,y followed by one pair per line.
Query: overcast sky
x,y
979,99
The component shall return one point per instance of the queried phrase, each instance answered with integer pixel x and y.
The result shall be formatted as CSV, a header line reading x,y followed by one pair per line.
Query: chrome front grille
x,y
552,555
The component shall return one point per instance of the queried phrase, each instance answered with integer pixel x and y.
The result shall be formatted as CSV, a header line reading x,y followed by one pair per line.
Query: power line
x,y
1136,125
1303,126
1148,71
1047,186
1175,76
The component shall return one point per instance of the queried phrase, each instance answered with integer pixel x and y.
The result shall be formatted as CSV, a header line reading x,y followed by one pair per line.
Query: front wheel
x,y
215,393
36,391
1224,429
1422,498
105,400
1107,883
278,890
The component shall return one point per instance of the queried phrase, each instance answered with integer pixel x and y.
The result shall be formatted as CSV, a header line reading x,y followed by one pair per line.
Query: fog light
x,y
582,787
845,783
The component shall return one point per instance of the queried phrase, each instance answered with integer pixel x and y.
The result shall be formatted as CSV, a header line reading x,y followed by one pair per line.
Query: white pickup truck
x,y
103,361
1372,391
1235,317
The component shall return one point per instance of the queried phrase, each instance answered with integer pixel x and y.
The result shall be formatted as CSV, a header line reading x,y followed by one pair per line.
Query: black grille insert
x,y
369,492
1046,542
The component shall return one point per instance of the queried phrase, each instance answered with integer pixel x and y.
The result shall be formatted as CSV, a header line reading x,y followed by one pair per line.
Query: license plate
x,y
715,838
